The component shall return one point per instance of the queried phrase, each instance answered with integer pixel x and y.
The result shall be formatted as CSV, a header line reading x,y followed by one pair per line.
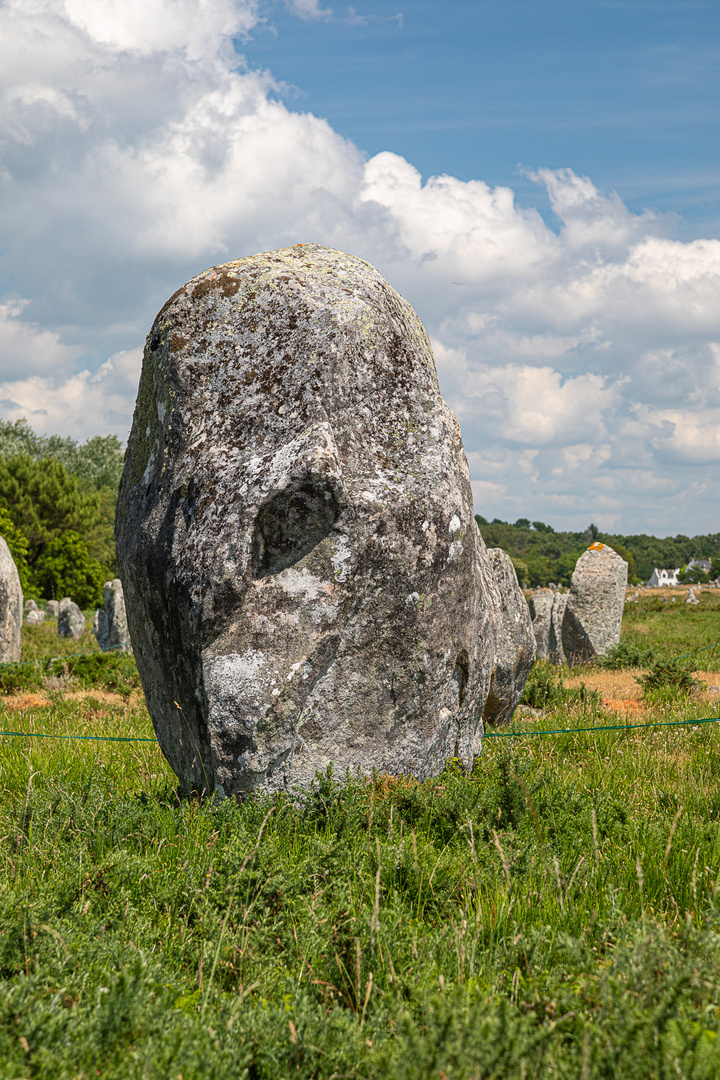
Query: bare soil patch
x,y
619,685
21,702
621,693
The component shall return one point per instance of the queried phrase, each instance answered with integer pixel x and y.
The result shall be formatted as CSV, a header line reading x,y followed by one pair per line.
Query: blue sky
x,y
626,92
558,160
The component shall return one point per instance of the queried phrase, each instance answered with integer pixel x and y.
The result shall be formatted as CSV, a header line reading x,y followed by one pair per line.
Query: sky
x,y
540,180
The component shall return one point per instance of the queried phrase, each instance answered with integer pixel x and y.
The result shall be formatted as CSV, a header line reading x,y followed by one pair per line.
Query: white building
x,y
664,577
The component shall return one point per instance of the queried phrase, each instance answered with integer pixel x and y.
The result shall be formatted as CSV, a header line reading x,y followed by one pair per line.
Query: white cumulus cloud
x,y
137,148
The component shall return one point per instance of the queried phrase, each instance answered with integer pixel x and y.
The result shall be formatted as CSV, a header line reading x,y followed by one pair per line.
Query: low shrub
x,y
625,655
668,675
111,672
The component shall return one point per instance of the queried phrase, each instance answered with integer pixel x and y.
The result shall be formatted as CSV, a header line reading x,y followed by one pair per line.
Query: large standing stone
x,y
71,621
11,606
52,609
110,626
514,643
304,580
594,611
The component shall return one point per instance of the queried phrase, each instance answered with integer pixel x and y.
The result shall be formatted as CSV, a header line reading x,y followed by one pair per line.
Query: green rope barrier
x,y
487,735
81,738
688,656
603,727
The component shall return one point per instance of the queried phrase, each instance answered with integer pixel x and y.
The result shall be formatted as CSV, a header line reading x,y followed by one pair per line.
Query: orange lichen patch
x,y
597,546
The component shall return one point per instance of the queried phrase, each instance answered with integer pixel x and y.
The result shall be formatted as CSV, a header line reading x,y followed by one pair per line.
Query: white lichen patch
x,y
301,584
341,558
236,674
455,550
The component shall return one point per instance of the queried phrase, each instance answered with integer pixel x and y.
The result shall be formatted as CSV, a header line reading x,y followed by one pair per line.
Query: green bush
x,y
668,675
625,655
66,568
111,672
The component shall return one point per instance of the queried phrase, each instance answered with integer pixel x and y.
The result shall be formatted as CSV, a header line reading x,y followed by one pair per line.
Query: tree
x,y
18,546
44,501
66,568
98,461
629,558
693,576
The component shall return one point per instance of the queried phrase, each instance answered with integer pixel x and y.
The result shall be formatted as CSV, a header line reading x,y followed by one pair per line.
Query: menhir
x,y
11,606
304,580
110,626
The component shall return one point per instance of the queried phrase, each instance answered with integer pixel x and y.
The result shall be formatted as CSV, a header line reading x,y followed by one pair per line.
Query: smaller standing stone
x,y
691,598
30,605
71,621
514,643
52,609
34,617
541,605
110,626
556,651
594,611
11,606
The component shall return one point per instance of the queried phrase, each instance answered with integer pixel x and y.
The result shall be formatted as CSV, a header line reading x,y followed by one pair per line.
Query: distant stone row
x,y
110,626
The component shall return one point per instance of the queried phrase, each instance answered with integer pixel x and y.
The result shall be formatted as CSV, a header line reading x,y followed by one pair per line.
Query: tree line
x,y
57,514
542,556
57,511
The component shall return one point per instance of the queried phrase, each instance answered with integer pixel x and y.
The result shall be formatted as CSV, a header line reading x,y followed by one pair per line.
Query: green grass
x,y
555,915
52,663
40,642
672,629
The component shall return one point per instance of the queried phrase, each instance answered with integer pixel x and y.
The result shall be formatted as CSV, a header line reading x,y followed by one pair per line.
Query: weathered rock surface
x,y
52,609
304,579
541,602
30,605
556,650
547,607
514,642
110,626
11,606
595,603
34,617
71,621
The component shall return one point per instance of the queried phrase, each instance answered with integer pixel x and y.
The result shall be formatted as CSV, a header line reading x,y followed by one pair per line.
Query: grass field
x,y
553,915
